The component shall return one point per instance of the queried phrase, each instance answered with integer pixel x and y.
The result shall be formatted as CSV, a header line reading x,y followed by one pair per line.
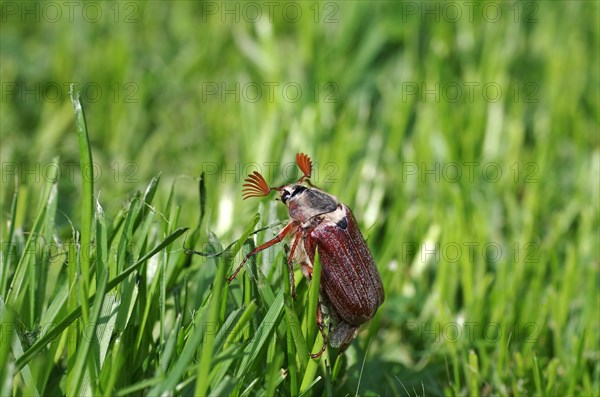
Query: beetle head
x,y
256,186
303,202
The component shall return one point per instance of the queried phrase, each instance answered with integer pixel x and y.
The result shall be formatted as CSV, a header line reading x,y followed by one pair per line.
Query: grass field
x,y
464,136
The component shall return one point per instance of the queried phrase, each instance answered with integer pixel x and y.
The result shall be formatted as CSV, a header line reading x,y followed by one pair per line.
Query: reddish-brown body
x,y
350,282
346,259
350,285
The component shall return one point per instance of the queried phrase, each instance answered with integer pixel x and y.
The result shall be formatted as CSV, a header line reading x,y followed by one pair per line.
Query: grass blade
x,y
313,300
75,314
17,349
18,284
87,193
82,377
264,330
8,248
214,310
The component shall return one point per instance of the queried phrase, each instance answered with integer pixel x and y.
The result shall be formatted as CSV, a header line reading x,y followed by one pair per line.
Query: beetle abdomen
x,y
349,278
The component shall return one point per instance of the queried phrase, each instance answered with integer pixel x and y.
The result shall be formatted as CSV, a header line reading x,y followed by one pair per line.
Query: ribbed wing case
x,y
349,278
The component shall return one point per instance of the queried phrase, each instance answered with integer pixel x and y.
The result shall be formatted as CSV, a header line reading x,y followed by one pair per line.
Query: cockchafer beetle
x,y
350,288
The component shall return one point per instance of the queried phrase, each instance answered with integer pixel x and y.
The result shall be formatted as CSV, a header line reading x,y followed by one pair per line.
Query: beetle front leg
x,y
290,267
320,325
290,227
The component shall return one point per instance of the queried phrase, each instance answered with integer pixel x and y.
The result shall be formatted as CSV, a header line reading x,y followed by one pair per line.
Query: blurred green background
x,y
463,135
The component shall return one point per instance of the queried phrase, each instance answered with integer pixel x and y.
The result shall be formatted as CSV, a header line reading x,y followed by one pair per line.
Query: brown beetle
x,y
351,288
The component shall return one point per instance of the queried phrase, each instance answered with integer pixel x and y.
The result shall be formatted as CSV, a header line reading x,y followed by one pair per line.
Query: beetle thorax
x,y
305,203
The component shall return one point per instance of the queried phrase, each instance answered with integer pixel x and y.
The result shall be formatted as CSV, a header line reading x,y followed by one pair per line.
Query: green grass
x,y
491,276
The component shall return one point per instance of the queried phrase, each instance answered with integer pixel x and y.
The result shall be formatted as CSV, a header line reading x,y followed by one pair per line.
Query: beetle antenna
x,y
255,186
305,164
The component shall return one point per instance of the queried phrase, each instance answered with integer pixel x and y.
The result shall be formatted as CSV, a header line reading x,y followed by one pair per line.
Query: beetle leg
x,y
320,325
291,227
290,267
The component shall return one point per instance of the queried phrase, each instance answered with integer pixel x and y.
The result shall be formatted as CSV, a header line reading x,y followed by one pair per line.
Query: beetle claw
x,y
320,352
